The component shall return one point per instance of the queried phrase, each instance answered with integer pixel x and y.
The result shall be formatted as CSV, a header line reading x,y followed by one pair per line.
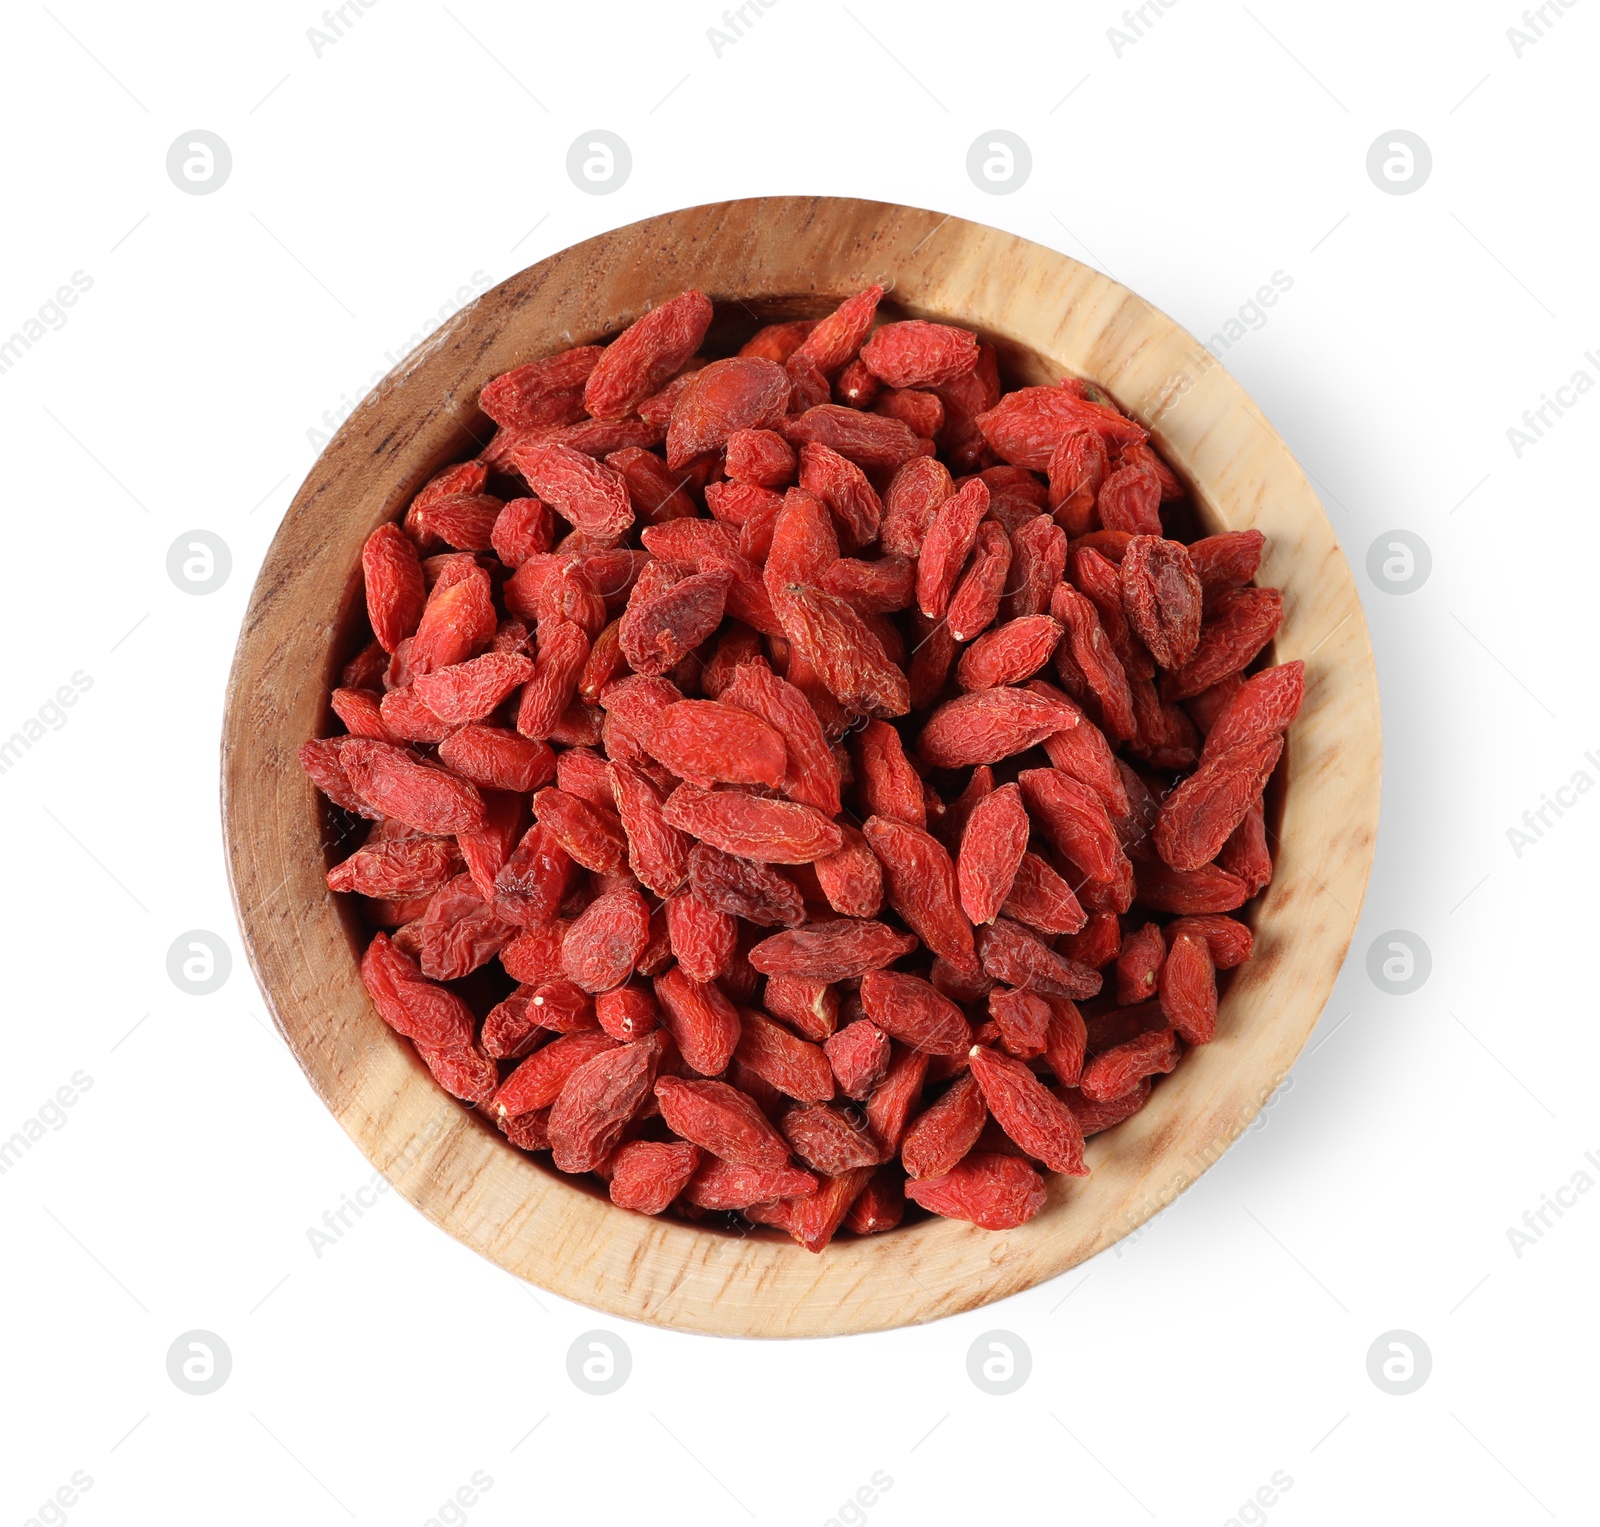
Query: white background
x,y
424,152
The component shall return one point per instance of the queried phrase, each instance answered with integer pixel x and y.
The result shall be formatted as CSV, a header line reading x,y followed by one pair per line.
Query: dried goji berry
x,y
829,344
809,1005
646,1175
752,826
859,1056
1263,706
1120,1069
1226,561
1040,898
597,1101
880,1205
922,411
1077,467
1199,815
701,1020
722,1120
1094,1117
1028,1112
584,492
741,393
921,883
946,1131
459,931
912,1011
542,393
538,1081
994,1191
626,1012
796,1068
409,867
645,354
742,888
1161,596
761,457
889,1108
1139,965
976,600
657,632
605,941
843,649
990,724
872,441
393,577
1189,990
400,785
949,538
1074,818
1130,499
843,487
1027,425
727,1185
1023,1018
1240,624
1011,954
708,741
993,842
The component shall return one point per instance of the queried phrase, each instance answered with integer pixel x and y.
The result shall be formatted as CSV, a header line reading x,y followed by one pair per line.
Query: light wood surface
x,y
759,260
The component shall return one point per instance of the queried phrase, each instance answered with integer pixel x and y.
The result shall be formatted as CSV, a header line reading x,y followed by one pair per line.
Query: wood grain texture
x,y
760,260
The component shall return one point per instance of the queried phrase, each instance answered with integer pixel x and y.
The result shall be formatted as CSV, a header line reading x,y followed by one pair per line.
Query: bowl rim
x,y
450,1163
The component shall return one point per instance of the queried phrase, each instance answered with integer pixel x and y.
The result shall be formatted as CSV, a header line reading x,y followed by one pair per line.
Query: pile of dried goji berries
x,y
731,844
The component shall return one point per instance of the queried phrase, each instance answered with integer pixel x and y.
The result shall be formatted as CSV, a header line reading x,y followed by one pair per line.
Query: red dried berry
x,y
646,1175
996,1192
700,1019
645,354
1189,990
1028,1112
920,354
722,1120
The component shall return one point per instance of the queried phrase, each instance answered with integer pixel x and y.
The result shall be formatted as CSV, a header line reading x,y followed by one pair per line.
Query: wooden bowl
x,y
759,260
